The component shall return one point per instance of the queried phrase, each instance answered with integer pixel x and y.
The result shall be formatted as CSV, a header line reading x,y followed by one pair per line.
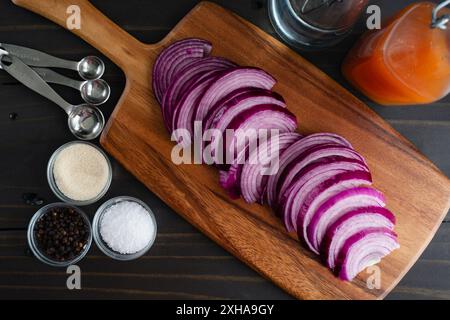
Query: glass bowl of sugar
x,y
124,228
79,173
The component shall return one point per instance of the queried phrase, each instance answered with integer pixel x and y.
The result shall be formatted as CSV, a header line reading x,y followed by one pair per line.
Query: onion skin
x,y
374,242
172,59
353,221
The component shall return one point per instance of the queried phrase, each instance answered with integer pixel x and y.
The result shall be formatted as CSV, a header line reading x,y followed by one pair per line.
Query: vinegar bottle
x,y
407,62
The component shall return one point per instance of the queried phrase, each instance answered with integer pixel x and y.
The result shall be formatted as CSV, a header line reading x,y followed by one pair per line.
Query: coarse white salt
x,y
81,172
127,227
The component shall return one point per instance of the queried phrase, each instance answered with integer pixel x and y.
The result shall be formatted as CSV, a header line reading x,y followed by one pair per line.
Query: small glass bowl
x,y
103,246
32,242
54,186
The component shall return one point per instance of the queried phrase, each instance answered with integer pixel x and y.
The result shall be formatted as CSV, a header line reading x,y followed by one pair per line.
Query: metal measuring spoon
x,y
85,121
94,92
89,68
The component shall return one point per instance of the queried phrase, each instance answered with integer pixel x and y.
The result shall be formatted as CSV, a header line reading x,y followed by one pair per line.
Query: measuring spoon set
x,y
30,67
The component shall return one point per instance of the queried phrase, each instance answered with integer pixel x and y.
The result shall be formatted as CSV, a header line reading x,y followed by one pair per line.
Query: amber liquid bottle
x,y
405,63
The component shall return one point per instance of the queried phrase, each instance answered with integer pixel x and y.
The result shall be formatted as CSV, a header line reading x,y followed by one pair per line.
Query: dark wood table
x,y
183,263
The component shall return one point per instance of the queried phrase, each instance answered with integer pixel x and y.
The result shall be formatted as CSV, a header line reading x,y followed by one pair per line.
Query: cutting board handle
x,y
95,28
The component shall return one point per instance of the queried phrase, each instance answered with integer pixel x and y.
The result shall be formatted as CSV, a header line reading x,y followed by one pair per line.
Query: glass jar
x,y
33,242
52,182
407,62
314,23
103,246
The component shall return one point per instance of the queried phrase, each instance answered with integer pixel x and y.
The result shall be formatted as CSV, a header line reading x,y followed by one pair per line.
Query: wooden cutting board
x,y
416,190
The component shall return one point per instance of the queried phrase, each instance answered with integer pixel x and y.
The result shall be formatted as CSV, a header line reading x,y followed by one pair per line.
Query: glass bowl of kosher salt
x,y
124,228
79,173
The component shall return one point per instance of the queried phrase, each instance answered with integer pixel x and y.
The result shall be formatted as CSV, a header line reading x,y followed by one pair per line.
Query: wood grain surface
x,y
423,126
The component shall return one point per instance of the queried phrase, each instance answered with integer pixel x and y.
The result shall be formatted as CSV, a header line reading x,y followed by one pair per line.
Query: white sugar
x,y
127,227
81,172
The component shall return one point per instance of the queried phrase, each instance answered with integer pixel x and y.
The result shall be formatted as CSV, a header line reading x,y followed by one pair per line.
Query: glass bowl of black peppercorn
x,y
59,234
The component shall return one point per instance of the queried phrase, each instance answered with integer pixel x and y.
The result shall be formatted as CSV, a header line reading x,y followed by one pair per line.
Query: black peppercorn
x,y
61,234
13,116
32,199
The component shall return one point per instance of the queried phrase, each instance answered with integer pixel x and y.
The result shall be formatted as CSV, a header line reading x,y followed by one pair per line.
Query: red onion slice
x,y
309,177
220,115
217,110
230,179
295,150
324,211
269,117
185,78
364,249
256,171
316,186
354,221
223,117
313,154
184,111
172,59
253,119
296,165
229,81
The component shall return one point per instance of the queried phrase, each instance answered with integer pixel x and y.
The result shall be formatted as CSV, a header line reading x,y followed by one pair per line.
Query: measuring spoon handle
x,y
28,77
37,58
124,50
53,77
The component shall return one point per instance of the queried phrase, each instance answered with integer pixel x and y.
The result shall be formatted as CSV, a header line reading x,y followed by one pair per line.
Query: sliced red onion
x,y
216,112
224,115
229,81
184,110
354,221
268,116
253,119
172,59
227,180
308,178
218,108
185,78
364,249
294,151
220,115
253,178
309,156
230,179
317,188
314,220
